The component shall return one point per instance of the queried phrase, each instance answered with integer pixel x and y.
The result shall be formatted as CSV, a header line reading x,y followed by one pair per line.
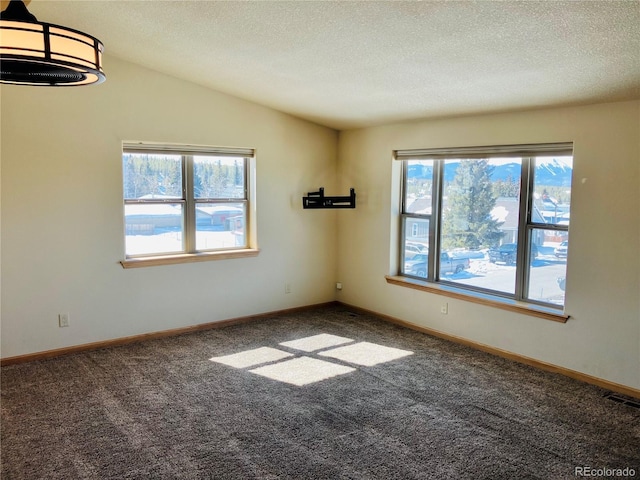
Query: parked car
x,y
508,252
448,265
561,250
417,265
412,249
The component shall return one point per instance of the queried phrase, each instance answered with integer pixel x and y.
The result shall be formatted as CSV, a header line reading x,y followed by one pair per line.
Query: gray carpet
x,y
403,405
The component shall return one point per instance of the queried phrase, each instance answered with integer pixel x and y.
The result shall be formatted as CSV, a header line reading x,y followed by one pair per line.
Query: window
x,y
185,200
489,221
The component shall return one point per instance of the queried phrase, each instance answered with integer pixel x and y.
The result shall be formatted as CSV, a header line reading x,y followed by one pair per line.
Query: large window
x,y
490,221
185,199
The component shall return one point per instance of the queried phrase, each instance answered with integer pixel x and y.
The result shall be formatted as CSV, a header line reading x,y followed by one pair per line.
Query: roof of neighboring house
x,y
420,205
506,211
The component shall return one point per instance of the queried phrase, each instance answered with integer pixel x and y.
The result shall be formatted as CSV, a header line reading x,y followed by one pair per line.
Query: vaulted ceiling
x,y
349,64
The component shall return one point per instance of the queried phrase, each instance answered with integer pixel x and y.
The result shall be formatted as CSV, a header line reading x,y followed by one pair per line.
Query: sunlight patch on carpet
x,y
366,354
302,368
302,371
316,342
251,358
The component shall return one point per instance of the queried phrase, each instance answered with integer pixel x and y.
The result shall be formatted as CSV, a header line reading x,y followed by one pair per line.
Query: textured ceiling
x,y
349,64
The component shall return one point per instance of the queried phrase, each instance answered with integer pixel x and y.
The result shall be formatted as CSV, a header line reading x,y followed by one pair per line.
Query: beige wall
x,y
62,226
602,338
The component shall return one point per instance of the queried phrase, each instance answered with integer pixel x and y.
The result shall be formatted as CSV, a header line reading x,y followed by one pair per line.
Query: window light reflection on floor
x,y
316,342
366,354
302,370
251,358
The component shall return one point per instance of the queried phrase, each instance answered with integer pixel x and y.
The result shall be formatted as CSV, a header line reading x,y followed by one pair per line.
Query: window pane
x,y
416,246
548,268
153,228
220,225
480,213
552,190
219,177
418,185
152,176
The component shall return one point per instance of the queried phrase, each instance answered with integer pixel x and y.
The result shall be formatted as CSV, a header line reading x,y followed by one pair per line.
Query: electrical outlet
x,y
63,320
444,308
338,285
287,288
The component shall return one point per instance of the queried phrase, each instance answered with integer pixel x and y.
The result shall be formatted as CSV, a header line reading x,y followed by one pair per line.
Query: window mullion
x,y
245,174
190,207
435,226
403,214
524,222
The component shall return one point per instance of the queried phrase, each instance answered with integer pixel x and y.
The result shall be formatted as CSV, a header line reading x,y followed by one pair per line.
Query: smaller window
x,y
185,199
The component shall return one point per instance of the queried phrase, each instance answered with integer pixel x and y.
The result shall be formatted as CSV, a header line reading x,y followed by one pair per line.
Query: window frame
x,y
189,253
526,223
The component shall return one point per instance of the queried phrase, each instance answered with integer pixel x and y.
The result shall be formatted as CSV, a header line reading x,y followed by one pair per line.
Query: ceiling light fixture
x,y
37,53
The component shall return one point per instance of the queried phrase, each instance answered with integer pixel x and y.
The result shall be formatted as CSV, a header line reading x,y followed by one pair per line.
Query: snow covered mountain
x,y
549,171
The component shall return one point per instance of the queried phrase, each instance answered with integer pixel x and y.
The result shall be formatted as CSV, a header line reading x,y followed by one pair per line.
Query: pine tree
x,y
509,187
216,179
238,180
467,221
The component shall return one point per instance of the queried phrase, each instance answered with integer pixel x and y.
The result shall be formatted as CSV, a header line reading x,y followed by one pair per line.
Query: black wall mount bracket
x,y
318,200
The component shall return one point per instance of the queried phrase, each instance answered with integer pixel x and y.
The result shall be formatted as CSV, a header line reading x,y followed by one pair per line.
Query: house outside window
x,y
488,221
182,199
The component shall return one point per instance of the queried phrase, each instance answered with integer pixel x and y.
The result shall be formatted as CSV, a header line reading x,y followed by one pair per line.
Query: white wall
x,y
62,226
602,337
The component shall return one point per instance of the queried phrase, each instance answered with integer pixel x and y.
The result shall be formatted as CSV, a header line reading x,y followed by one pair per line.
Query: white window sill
x,y
187,258
497,302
